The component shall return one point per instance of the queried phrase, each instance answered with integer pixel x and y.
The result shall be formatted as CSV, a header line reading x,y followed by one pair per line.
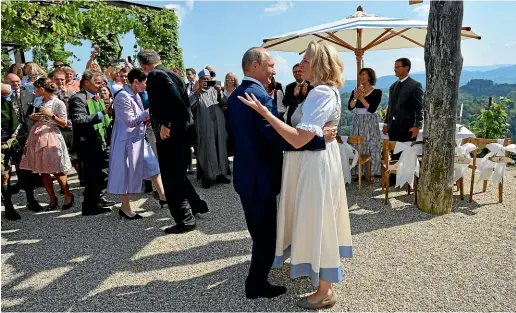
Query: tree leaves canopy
x,y
46,28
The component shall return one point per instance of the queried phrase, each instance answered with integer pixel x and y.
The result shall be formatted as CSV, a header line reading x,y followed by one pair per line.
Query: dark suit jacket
x,y
169,104
10,120
406,111
291,101
84,134
258,147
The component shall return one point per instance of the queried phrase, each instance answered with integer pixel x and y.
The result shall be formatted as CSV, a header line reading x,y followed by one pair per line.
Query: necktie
x,y
17,94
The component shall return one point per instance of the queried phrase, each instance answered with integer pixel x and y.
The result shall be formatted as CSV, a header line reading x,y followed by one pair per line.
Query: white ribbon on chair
x,y
408,164
462,151
347,152
489,169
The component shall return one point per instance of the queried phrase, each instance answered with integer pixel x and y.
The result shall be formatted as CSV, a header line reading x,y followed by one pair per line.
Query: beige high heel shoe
x,y
325,302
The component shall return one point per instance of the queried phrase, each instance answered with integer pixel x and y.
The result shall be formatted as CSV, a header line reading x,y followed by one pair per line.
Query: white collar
x,y
404,79
90,95
253,80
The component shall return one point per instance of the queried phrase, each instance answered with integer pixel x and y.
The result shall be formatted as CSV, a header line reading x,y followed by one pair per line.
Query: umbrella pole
x,y
359,55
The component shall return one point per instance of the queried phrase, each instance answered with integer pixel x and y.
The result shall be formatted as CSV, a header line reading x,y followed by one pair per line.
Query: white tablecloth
x,y
462,133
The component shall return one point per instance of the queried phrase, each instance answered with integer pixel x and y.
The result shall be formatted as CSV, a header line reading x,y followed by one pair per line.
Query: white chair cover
x,y
462,151
347,152
408,164
490,170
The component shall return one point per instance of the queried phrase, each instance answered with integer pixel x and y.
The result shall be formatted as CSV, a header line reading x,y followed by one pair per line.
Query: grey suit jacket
x,y
407,109
25,103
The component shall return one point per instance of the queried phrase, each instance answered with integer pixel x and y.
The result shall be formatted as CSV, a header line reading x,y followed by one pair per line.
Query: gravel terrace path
x,y
405,260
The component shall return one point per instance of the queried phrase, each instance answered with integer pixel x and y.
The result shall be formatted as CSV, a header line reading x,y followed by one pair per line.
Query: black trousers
x,y
260,217
174,158
290,111
95,165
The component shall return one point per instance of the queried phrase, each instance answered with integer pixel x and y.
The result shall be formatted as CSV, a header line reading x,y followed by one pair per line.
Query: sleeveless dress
x,y
45,150
313,226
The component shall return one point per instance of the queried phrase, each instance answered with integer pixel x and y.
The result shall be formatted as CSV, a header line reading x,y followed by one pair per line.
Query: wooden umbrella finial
x,y
360,9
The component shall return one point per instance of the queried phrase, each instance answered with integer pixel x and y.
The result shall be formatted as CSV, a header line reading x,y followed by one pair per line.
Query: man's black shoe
x,y
34,206
200,208
179,229
103,202
88,210
266,291
14,189
10,213
206,183
223,179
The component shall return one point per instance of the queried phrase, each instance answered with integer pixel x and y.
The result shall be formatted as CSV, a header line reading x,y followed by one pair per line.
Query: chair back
x,y
389,146
481,143
358,141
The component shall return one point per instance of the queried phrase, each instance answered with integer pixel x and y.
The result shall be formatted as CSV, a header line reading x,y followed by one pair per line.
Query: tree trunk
x,y
443,61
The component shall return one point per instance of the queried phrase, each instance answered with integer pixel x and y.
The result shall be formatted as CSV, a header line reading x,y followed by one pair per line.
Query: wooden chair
x,y
481,143
389,146
362,159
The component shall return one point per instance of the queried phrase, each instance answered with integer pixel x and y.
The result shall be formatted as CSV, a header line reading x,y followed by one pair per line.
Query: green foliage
x,y
491,123
46,28
155,30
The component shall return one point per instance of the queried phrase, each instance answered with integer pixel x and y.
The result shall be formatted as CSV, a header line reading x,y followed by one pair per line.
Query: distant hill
x,y
483,87
499,74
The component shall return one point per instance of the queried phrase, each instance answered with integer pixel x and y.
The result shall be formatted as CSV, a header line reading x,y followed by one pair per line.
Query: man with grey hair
x,y
258,167
90,120
172,119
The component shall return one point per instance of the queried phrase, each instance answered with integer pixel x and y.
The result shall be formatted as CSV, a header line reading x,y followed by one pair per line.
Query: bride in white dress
x,y
313,221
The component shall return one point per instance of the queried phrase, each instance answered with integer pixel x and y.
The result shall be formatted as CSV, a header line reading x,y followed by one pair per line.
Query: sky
x,y
219,32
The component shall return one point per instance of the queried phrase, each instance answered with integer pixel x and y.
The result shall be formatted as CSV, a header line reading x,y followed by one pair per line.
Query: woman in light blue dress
x,y
131,157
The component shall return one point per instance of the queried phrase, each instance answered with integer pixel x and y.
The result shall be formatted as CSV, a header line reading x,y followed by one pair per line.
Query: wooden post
x,y
443,61
359,53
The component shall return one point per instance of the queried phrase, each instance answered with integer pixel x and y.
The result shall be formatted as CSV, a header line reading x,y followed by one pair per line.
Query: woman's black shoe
x,y
135,217
69,205
52,207
162,203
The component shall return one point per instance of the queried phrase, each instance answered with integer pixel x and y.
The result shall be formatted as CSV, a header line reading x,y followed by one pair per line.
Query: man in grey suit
x,y
405,111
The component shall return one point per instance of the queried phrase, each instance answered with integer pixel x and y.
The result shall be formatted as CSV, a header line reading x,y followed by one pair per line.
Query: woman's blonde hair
x,y
35,69
325,64
232,75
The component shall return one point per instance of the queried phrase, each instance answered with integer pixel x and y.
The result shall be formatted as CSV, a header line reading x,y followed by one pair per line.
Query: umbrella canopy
x,y
358,33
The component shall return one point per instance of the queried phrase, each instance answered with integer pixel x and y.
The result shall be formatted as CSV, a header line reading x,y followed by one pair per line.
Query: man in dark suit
x,y
175,134
405,111
16,124
258,168
90,121
295,92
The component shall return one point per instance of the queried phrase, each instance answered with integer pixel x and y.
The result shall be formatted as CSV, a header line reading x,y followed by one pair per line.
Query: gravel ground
x,y
405,260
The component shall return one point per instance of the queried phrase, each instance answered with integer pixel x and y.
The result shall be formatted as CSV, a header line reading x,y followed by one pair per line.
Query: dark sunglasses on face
x,y
212,74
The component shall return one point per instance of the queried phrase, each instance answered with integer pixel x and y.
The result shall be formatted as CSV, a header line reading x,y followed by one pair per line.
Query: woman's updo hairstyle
x,y
46,83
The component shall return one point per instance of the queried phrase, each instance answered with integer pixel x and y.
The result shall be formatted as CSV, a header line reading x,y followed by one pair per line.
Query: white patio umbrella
x,y
360,32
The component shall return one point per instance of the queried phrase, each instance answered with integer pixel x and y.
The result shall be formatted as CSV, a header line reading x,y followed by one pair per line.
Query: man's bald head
x,y
258,64
13,80
257,54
